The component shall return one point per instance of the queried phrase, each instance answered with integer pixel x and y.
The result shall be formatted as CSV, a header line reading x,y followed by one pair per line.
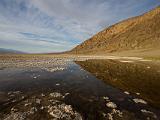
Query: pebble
x,y
54,69
16,116
149,112
33,110
56,94
67,94
42,95
118,112
110,117
42,108
137,93
136,100
146,111
14,109
35,77
106,98
126,92
38,101
114,112
22,97
111,105
63,111
16,92
27,104
68,108
57,84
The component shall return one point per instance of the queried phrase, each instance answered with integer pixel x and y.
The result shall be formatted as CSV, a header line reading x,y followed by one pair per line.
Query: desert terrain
x,y
79,87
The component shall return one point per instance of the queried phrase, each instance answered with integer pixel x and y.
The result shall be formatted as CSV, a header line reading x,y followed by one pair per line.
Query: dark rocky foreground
x,y
19,106
44,88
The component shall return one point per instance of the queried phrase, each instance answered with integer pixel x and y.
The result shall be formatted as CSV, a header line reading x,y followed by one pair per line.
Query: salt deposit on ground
x,y
111,105
126,61
149,112
144,60
106,98
126,92
63,111
38,101
16,116
51,104
136,100
57,84
54,69
137,93
56,95
114,112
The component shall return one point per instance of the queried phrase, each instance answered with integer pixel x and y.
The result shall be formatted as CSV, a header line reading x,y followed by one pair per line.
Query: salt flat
x,y
78,87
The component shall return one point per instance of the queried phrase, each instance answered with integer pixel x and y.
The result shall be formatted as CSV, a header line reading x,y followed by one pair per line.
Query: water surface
x,y
88,86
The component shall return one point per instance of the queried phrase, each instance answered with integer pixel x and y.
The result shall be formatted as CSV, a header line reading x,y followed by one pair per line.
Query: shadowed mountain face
x,y
9,51
136,33
136,77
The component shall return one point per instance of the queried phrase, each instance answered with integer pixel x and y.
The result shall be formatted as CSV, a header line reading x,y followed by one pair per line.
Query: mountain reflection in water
x,y
137,77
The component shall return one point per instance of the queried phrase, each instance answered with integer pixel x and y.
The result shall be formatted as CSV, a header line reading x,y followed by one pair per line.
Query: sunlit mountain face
x,y
38,26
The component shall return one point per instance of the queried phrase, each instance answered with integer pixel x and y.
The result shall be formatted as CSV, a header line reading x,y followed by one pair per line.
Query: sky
x,y
43,26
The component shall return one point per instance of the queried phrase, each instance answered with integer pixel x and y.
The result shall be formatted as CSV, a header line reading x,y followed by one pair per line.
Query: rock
x,y
57,84
56,95
67,94
114,112
149,112
146,111
42,95
12,95
118,112
104,114
68,109
77,116
111,105
148,67
14,101
17,92
137,93
106,98
27,104
53,101
42,108
54,69
9,93
34,77
33,110
126,92
63,111
38,101
14,109
22,97
16,116
136,100
110,117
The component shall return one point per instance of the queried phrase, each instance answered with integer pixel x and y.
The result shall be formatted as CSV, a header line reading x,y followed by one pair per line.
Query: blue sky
x,y
57,25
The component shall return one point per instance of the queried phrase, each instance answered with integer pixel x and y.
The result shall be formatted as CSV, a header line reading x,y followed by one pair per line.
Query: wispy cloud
x,y
58,25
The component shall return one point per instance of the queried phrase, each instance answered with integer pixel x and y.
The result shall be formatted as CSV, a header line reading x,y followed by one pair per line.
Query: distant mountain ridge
x,y
9,51
141,32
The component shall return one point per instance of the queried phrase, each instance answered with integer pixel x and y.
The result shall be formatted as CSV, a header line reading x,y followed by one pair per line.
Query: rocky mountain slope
x,y
141,32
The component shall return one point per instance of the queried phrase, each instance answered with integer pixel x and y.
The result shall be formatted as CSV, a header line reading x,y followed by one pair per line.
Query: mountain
x,y
9,51
137,33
